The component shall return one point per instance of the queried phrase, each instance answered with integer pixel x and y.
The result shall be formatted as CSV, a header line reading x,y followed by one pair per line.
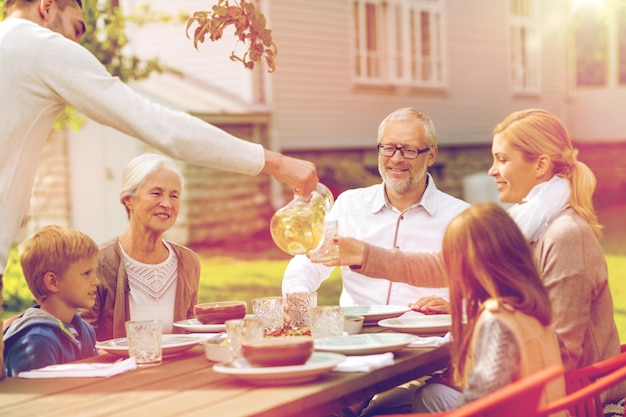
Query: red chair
x,y
585,397
577,379
519,399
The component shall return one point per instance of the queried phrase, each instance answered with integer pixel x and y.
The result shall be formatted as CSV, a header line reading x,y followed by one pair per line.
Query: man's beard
x,y
401,186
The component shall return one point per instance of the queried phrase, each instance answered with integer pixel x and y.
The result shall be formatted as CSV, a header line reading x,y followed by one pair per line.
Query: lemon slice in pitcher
x,y
296,248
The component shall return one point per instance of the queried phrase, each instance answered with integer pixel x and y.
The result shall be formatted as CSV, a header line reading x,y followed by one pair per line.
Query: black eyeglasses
x,y
408,152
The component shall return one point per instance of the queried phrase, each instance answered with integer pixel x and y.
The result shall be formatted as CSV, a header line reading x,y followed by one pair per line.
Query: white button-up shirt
x,y
367,215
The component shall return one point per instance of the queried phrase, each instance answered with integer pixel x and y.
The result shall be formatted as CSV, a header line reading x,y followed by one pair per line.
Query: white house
x,y
343,65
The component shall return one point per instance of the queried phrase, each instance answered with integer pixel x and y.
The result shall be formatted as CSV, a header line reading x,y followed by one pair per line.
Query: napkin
x,y
365,363
431,341
73,370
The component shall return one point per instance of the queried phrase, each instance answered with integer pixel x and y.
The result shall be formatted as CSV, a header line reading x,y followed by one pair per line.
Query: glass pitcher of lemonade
x,y
298,227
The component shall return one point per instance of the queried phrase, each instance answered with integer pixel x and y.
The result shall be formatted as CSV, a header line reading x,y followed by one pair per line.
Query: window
x,y
399,42
591,47
599,35
524,46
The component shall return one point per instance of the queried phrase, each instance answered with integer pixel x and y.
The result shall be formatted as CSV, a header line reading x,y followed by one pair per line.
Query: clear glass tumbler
x,y
326,321
144,341
270,311
327,251
298,307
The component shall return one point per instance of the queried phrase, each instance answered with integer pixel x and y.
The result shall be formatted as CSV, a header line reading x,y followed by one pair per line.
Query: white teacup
x,y
353,323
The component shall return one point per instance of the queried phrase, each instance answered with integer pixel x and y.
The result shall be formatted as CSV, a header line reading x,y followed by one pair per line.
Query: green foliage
x,y
16,297
106,39
617,283
249,25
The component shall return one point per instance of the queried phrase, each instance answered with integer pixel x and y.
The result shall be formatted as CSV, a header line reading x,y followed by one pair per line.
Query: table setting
x,y
317,383
324,339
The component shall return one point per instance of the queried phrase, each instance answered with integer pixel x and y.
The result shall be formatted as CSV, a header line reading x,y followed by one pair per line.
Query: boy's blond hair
x,y
53,249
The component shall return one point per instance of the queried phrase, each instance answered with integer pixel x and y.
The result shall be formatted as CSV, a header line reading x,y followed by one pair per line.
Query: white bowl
x,y
353,323
216,351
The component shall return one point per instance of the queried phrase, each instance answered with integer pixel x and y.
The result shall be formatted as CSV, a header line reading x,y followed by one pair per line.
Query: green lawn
x,y
228,278
231,278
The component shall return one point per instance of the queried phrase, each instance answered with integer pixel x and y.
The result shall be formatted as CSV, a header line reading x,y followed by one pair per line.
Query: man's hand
x,y
301,175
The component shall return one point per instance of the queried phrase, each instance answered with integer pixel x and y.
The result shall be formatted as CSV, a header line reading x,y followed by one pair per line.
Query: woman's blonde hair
x,y
536,132
486,256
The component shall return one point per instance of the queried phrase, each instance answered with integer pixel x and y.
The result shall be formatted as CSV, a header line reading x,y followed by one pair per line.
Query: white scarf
x,y
540,206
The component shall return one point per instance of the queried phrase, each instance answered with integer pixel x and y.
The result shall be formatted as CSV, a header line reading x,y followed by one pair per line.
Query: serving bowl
x,y
353,323
220,311
278,351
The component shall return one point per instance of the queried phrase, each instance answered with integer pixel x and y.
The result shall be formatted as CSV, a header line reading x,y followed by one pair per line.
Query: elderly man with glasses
x,y
406,211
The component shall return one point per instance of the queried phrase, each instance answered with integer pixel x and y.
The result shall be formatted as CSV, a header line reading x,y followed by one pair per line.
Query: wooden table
x,y
187,386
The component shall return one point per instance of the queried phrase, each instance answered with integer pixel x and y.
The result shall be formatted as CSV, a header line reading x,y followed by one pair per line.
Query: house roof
x,y
194,96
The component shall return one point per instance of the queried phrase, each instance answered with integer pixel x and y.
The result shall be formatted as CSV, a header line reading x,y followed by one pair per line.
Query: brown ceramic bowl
x,y
219,312
278,351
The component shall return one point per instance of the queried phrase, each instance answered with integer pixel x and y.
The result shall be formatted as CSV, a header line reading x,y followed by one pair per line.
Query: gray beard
x,y
401,186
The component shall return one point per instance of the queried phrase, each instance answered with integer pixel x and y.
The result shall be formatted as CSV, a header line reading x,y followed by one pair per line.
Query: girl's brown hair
x,y
486,256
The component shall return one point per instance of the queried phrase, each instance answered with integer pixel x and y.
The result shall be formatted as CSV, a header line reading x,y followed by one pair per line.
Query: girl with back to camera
x,y
495,284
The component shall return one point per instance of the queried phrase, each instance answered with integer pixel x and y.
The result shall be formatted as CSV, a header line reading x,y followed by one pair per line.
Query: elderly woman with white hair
x,y
142,275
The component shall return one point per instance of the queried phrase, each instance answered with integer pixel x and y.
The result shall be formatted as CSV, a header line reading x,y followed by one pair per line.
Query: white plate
x,y
373,314
319,363
194,325
364,343
172,344
421,325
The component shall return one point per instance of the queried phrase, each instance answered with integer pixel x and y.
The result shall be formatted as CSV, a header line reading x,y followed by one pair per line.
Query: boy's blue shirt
x,y
36,339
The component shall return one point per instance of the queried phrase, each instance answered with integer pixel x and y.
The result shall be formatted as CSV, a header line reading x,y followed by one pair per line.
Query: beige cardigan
x,y
112,309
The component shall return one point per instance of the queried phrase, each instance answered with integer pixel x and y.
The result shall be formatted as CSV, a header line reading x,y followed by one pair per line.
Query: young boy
x,y
59,265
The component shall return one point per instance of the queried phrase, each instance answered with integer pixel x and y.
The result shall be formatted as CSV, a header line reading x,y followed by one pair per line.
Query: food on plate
x,y
302,331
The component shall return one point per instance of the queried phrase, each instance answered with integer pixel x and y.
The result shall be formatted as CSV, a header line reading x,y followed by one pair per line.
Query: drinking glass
x,y
240,330
144,341
270,311
298,306
326,321
327,251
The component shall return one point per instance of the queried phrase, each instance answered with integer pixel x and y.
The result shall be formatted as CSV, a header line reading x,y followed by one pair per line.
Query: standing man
x,y
43,68
406,211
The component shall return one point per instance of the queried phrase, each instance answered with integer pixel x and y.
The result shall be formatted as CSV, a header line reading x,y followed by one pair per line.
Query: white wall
x,y
97,157
210,65
316,104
